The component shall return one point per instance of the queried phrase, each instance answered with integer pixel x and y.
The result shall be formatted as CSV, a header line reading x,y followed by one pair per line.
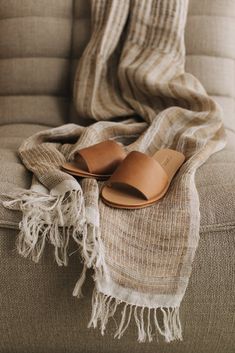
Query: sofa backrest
x,y
41,42
210,45
35,59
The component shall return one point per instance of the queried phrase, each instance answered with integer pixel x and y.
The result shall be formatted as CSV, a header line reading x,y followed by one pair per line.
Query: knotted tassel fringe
x,y
54,218
146,319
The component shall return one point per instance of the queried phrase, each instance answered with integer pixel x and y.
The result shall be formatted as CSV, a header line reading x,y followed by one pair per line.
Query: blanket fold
x,y
131,81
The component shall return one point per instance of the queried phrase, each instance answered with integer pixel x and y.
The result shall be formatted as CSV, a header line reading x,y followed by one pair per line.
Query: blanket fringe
x,y
48,217
77,292
92,254
146,319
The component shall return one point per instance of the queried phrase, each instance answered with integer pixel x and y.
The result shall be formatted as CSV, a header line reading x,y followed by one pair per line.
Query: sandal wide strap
x,y
141,172
101,158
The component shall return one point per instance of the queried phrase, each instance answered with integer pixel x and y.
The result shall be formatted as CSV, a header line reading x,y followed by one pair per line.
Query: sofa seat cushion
x,y
215,182
215,179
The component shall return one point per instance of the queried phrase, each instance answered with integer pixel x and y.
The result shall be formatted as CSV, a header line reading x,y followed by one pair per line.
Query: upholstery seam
x,y
208,15
36,57
217,227
35,95
206,228
217,56
52,17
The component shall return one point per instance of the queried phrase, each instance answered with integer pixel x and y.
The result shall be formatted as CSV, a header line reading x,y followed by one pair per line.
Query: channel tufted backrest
x,y
210,45
35,51
41,42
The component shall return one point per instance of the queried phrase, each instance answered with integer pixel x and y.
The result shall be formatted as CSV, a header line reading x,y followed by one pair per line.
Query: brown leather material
x,y
98,161
142,173
141,180
103,157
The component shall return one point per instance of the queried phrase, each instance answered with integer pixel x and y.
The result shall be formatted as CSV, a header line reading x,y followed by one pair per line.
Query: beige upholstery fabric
x,y
35,45
211,50
215,181
35,85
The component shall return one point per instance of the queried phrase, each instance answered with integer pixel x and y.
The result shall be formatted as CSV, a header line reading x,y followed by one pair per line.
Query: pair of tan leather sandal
x,y
134,181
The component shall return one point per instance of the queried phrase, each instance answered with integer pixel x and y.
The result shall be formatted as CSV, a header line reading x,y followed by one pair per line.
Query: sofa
x,y
40,44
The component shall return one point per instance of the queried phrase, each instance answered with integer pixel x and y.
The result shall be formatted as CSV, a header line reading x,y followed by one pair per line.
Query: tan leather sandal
x,y
141,180
98,161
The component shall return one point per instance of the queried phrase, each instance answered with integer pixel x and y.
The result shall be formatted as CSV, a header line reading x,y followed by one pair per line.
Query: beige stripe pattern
x,y
132,82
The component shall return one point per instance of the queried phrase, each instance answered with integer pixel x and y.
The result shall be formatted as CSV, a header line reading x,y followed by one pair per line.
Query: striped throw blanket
x,y
131,82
